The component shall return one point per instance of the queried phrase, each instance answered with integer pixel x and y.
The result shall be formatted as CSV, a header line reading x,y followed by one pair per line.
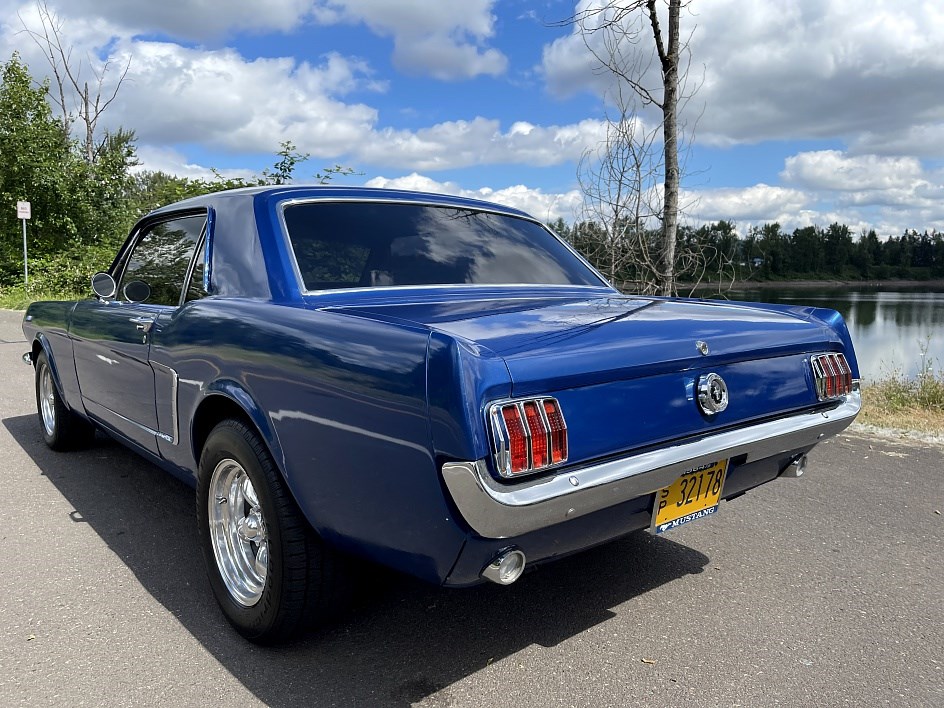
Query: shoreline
x,y
936,285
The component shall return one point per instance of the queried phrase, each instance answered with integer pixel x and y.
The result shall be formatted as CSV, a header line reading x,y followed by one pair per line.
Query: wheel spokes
x,y
238,532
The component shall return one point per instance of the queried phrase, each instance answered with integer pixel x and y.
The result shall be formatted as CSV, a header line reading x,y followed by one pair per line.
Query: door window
x,y
161,258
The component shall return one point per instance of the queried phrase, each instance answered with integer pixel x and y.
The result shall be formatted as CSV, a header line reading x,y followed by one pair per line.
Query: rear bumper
x,y
496,510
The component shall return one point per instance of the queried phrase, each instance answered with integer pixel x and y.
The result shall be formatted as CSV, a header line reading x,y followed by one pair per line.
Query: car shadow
x,y
401,641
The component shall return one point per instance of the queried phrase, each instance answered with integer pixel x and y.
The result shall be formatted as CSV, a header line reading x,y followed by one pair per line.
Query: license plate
x,y
692,496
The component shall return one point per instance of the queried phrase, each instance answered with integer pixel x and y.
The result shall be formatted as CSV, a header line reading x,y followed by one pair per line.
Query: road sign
x,y
23,210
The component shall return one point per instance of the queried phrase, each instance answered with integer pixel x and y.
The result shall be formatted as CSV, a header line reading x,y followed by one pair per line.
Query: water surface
x,y
893,330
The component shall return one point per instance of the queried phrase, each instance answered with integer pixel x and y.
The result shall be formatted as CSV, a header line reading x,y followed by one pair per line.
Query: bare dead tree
x,y
628,41
75,97
619,180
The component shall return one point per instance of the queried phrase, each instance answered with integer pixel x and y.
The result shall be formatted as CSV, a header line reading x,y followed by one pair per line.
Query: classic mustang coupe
x,y
436,384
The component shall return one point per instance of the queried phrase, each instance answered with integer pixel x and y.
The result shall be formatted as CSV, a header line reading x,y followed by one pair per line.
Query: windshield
x,y
376,244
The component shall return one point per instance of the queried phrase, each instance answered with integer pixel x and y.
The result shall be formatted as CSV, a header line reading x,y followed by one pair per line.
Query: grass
x,y
905,404
17,297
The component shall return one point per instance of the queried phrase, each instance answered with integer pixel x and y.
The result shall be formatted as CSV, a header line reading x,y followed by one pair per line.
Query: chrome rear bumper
x,y
496,510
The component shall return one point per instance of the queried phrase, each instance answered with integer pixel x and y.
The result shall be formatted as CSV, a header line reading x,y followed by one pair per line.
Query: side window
x,y
161,258
195,289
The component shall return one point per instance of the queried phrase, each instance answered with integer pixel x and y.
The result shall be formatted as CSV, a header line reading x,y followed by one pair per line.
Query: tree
x,y
33,156
73,91
615,32
619,181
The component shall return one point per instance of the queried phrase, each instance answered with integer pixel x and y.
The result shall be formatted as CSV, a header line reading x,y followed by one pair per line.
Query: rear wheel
x,y
62,429
271,573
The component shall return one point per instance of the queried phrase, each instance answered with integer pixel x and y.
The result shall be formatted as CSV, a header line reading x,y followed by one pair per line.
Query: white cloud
x,y
480,142
173,162
861,191
757,203
836,171
446,40
799,69
186,19
544,206
218,98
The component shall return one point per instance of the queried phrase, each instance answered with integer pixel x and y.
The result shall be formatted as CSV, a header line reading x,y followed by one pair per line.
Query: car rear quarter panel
x,y
344,410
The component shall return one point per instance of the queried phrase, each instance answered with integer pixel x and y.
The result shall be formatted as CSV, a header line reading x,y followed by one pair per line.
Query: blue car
x,y
436,384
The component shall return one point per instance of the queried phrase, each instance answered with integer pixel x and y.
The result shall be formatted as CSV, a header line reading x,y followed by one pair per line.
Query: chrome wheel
x,y
238,532
47,399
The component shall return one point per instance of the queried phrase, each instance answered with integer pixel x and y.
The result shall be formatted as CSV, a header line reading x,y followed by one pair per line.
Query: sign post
x,y
23,211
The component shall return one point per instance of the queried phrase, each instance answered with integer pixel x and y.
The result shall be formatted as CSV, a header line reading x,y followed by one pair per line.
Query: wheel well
x,y
212,411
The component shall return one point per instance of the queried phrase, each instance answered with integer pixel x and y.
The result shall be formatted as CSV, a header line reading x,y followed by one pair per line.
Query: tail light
x,y
832,375
528,435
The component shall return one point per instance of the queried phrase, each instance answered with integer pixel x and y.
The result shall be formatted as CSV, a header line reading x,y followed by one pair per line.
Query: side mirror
x,y
103,285
136,291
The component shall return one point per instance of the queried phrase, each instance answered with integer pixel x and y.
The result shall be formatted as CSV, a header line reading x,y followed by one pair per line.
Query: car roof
x,y
332,192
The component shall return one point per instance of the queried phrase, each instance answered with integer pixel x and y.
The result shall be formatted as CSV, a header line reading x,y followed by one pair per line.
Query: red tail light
x,y
517,439
558,430
528,435
832,375
539,437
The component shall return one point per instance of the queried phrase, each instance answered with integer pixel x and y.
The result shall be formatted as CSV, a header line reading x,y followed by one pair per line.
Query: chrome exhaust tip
x,y
796,468
506,568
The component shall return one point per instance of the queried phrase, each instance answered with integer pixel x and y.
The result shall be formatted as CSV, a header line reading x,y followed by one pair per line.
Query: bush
x,y
63,276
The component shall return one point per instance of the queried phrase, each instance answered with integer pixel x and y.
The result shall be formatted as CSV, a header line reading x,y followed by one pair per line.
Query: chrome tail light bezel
x,y
501,439
832,376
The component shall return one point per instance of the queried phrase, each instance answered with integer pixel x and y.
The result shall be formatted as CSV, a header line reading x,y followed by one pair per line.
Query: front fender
x,y
41,344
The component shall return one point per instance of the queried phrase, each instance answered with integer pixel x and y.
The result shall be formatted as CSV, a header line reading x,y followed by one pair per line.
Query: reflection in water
x,y
889,328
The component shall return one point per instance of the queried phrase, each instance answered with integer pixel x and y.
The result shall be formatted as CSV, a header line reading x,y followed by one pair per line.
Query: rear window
x,y
370,244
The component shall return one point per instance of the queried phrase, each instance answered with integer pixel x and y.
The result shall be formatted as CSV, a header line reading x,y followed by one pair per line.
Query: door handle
x,y
143,324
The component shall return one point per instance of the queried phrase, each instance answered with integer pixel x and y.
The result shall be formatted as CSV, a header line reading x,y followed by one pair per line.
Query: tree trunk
x,y
670,132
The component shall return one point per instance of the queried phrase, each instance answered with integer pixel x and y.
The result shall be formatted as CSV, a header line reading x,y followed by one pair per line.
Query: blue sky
x,y
808,111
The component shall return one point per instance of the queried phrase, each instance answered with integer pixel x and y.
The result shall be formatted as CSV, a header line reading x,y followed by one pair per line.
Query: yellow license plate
x,y
692,496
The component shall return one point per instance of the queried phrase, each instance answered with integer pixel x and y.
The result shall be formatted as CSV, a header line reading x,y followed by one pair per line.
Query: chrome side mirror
x,y
103,285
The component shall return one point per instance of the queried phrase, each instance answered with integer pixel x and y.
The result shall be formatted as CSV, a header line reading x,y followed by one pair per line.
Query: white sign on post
x,y
24,212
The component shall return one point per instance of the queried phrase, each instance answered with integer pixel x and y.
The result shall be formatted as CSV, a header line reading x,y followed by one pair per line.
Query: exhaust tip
x,y
506,568
796,468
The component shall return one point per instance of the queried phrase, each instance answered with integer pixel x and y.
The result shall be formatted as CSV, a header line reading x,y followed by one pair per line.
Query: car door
x,y
112,337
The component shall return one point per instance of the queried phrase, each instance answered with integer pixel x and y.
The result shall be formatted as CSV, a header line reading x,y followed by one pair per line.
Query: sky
x,y
806,111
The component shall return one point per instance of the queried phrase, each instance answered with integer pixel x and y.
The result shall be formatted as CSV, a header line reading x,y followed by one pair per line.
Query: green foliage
x,y
82,209
78,207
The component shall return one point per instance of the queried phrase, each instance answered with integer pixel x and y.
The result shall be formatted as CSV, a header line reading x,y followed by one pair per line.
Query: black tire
x,y
301,584
62,429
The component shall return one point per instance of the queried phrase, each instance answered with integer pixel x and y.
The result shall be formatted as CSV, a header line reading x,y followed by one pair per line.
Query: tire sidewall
x,y
229,440
58,409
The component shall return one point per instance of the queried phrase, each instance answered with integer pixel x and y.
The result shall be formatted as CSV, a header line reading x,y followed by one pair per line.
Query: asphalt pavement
x,y
826,590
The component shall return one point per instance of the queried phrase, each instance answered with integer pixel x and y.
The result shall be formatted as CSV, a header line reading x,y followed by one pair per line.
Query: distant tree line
x,y
769,253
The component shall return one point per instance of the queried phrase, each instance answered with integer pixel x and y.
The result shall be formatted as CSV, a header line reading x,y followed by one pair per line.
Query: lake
x,y
892,329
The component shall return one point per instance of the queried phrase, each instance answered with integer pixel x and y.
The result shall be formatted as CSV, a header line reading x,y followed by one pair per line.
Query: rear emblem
x,y
712,394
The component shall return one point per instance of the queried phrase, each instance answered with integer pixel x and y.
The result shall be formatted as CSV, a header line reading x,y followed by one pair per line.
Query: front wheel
x,y
62,429
271,574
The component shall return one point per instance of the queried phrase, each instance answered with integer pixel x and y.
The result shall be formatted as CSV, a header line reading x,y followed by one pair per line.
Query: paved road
x,y
827,590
